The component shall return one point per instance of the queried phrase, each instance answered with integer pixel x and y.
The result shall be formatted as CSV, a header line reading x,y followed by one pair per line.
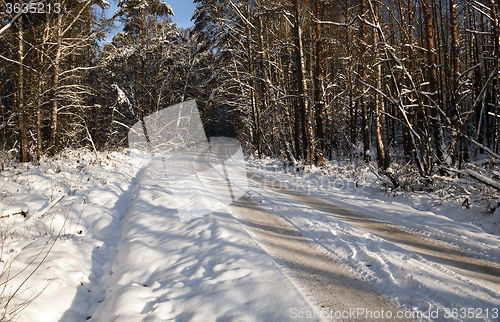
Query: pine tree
x,y
137,17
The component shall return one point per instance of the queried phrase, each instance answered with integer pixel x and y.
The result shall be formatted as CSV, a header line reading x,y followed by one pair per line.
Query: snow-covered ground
x,y
419,284
119,251
437,213
114,248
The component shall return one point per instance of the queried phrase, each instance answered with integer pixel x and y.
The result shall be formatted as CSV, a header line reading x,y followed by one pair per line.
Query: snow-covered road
x,y
322,278
431,265
465,262
450,277
206,269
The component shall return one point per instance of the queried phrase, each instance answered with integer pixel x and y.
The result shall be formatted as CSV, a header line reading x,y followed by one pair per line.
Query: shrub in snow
x,y
492,206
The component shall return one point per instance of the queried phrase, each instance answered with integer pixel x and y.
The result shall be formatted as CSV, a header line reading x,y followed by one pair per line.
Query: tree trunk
x,y
253,94
23,157
496,109
383,158
352,105
478,73
55,84
263,88
408,145
354,121
39,125
362,75
39,122
283,80
142,110
455,98
301,81
318,87
432,78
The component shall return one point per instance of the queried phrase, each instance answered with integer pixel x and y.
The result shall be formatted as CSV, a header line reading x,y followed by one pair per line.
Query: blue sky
x,y
183,10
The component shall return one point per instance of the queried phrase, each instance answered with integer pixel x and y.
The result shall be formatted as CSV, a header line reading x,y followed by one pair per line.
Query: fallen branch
x,y
483,147
479,145
483,179
479,177
389,183
17,213
43,212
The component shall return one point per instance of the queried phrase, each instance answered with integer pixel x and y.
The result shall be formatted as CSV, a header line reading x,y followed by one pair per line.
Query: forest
x,y
408,81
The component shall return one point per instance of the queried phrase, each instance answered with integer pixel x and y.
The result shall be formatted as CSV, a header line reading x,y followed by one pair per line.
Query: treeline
x,y
46,52
60,88
415,80
151,65
409,78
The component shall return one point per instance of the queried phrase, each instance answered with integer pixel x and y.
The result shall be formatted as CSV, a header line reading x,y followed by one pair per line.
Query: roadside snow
x,y
60,240
432,213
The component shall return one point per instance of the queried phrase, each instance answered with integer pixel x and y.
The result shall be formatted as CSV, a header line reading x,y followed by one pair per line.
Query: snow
x,y
121,253
417,283
119,250
204,269
122,98
127,52
437,213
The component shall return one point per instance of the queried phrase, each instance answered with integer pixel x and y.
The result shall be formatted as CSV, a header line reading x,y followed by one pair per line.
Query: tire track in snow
x,y
483,272
327,283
